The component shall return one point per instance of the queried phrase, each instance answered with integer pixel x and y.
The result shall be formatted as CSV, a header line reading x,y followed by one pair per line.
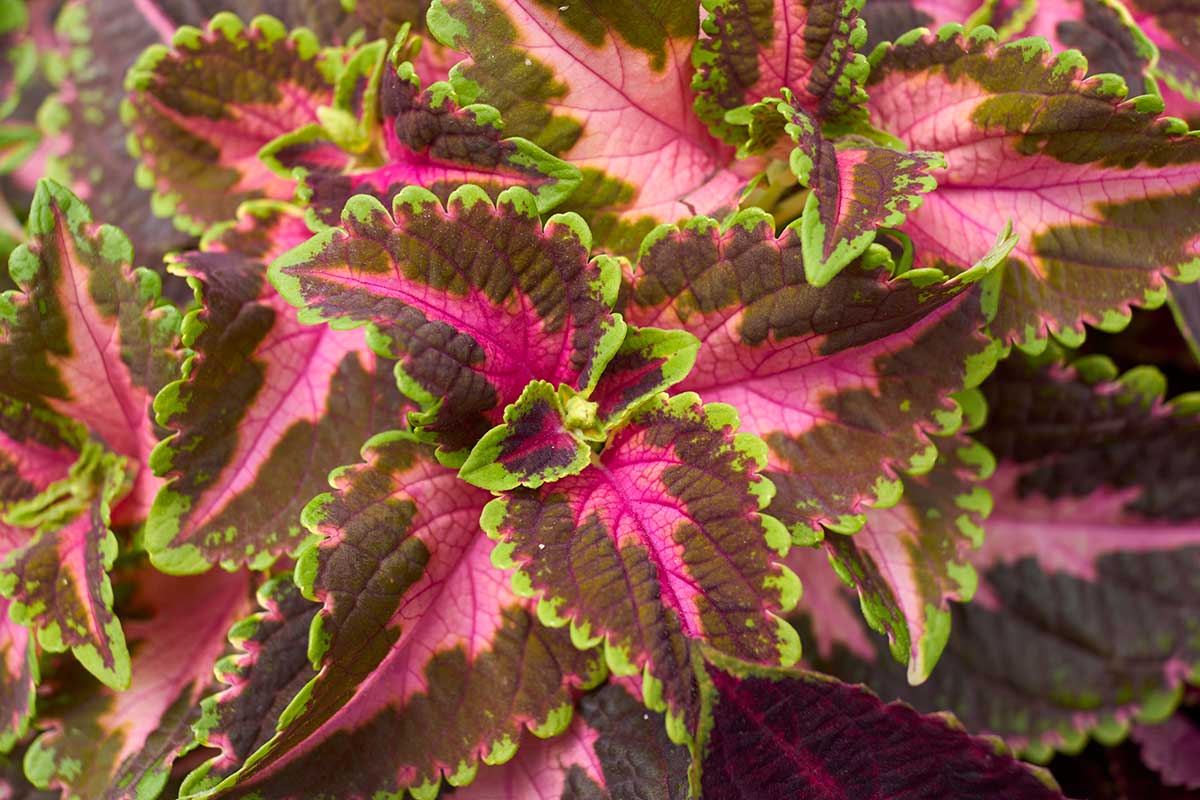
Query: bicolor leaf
x,y
403,136
270,668
427,661
614,749
649,361
660,546
844,382
888,20
57,580
1101,190
1083,618
751,49
85,334
781,733
1103,31
103,745
19,675
266,407
1173,30
38,448
911,559
539,442
607,88
200,112
475,300
854,191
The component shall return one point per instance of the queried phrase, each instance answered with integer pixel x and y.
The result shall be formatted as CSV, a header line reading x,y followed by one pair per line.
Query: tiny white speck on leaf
x,y
541,545
563,8
528,63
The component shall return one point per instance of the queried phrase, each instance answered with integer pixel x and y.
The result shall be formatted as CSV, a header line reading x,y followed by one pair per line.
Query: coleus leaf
x,y
614,749
1113,773
1174,30
19,676
648,361
57,580
266,407
751,49
19,60
269,669
1101,191
427,662
888,20
605,87
1082,619
535,445
911,559
854,191
788,733
103,745
1103,31
474,299
384,133
1172,749
85,334
845,382
200,112
1185,306
660,546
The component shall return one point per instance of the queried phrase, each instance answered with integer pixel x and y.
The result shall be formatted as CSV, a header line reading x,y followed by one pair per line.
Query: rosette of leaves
x,y
525,393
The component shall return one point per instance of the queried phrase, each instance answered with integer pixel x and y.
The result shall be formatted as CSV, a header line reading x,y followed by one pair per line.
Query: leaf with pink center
x,y
1103,31
607,88
648,361
1101,191
752,49
384,133
98,744
789,733
266,407
19,675
614,749
658,547
845,382
200,112
1174,28
1083,618
56,575
854,191
85,335
475,300
427,662
911,559
536,444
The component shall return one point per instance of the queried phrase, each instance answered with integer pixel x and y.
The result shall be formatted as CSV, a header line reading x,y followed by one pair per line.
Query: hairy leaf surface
x,y
1101,191
474,299
427,661
657,547
266,408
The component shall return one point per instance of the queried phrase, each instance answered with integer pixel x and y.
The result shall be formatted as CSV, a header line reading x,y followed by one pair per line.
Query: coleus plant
x,y
486,398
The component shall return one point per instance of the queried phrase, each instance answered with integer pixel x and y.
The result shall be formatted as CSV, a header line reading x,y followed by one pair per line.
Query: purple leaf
x,y
201,111
649,361
266,407
750,50
661,545
607,88
427,662
104,745
1173,30
845,382
475,300
779,733
1101,191
1172,749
